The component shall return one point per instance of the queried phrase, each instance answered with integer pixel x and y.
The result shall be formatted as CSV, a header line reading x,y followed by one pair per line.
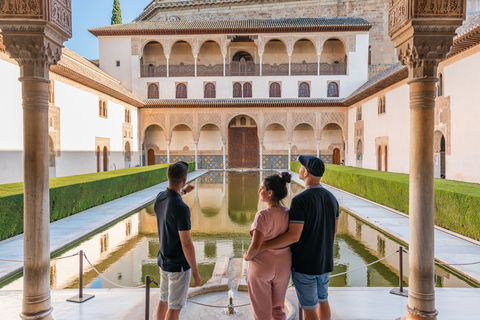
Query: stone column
x,y
289,65
261,154
423,37
35,40
224,64
168,151
318,148
289,153
196,155
224,155
195,57
318,64
261,64
168,64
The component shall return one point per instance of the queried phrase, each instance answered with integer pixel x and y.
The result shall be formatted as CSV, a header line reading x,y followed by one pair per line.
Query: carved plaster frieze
x,y
279,118
334,117
101,143
298,118
147,120
209,118
181,118
19,8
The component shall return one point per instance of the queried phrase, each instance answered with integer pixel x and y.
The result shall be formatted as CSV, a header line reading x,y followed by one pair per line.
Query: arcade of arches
x,y
228,139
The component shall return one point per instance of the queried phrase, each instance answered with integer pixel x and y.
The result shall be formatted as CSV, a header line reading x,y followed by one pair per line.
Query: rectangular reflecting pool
x,y
223,207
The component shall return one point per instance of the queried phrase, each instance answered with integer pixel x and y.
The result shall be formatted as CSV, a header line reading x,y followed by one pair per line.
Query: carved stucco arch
x,y
150,119
254,116
306,37
439,132
144,132
201,42
283,39
332,122
193,44
299,118
247,50
145,42
210,118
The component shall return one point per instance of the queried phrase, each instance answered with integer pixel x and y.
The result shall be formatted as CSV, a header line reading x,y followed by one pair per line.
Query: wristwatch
x,y
183,190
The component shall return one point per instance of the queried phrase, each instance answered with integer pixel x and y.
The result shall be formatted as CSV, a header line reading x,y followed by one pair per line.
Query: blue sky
x,y
89,14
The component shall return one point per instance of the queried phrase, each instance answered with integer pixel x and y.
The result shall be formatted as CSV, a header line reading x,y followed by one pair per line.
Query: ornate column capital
x,y
423,31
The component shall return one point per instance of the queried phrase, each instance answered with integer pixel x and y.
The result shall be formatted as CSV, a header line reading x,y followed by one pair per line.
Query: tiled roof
x,y
77,68
468,25
181,26
468,35
246,102
384,79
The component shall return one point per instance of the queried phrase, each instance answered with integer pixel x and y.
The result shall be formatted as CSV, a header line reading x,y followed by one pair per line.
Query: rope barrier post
x,y
81,297
300,312
400,291
147,298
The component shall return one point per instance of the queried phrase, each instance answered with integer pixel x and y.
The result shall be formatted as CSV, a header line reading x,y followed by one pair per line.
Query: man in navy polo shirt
x,y
176,255
313,222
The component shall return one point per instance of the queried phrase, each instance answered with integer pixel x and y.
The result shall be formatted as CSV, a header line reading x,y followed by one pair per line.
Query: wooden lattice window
x,y
359,113
247,90
303,90
181,92
275,90
153,91
237,90
209,90
332,89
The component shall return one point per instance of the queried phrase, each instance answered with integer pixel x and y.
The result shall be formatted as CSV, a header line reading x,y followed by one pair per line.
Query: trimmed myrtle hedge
x,y
73,194
456,203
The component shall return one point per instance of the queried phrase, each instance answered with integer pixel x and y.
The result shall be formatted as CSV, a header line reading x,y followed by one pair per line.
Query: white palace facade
x,y
247,84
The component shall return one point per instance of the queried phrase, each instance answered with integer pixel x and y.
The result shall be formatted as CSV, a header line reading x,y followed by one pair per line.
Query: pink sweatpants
x,y
268,277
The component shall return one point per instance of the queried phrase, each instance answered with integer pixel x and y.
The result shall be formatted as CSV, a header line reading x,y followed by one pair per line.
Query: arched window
x,y
100,108
243,121
128,154
153,91
51,152
181,92
209,90
105,109
303,90
359,150
237,90
275,90
332,89
247,90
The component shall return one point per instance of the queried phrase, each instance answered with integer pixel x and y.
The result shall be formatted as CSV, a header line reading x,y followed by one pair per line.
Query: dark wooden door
x,y
151,157
243,147
336,156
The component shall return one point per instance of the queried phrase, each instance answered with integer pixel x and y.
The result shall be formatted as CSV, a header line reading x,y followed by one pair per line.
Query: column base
x,y
44,315
419,315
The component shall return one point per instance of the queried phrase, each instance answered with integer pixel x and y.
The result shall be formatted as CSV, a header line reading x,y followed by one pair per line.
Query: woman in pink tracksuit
x,y
269,271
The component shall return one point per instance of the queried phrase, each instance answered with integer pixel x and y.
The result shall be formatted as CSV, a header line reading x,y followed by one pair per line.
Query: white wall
x,y
79,125
11,123
461,83
112,49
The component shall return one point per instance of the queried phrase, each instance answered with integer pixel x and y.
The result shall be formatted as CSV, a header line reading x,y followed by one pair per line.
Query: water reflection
x,y
223,208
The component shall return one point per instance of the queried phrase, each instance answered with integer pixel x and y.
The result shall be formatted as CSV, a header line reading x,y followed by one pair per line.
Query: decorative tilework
x,y
187,158
275,161
327,158
212,177
210,162
160,159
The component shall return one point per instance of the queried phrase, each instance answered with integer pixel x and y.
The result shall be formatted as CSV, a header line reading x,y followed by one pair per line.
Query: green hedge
x,y
73,194
457,204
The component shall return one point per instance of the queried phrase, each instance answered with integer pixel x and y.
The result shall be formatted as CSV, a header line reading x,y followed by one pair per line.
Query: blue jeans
x,y
311,289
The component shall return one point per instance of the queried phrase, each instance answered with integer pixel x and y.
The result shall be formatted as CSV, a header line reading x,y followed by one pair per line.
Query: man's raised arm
x,y
291,236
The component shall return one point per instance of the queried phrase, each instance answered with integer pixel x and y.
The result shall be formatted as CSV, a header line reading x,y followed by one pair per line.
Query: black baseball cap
x,y
314,165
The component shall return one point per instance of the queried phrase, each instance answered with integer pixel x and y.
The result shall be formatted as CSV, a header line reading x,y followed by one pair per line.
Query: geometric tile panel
x,y
212,177
186,158
327,158
275,161
210,162
160,159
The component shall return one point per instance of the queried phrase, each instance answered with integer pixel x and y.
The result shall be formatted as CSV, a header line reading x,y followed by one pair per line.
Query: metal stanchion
x,y
81,297
400,291
147,298
300,312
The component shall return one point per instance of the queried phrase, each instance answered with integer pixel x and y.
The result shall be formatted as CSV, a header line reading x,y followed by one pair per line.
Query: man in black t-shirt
x,y
176,254
312,227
